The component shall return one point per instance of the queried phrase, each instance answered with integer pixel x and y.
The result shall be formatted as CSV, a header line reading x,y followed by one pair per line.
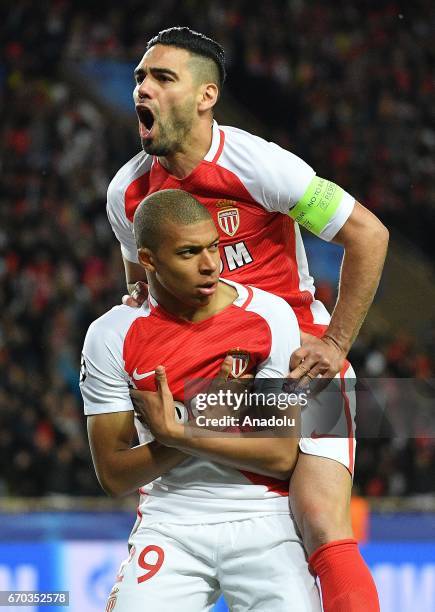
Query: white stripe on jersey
x,y
306,282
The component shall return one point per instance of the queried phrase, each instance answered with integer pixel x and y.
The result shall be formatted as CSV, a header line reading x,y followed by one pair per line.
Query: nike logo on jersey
x,y
138,376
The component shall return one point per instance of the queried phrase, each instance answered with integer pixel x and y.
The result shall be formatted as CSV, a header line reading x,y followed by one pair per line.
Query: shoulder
x,y
233,134
275,177
135,167
254,147
112,327
242,144
271,307
281,321
268,305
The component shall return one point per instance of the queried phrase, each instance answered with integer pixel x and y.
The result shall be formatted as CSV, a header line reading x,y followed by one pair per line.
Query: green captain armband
x,y
318,205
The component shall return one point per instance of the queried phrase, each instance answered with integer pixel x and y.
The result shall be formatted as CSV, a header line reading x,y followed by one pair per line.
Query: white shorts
x,y
254,563
328,425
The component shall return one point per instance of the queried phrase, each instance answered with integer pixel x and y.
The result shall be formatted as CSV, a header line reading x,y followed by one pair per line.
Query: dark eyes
x,y
190,252
159,77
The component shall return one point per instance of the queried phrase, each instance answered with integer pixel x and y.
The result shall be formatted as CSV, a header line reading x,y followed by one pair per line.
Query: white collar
x,y
215,142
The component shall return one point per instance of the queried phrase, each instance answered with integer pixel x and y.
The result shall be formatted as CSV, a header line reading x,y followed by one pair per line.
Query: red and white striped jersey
x,y
248,185
124,347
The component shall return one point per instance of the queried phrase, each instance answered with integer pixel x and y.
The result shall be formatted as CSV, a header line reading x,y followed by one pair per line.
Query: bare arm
x,y
121,469
273,457
133,274
365,241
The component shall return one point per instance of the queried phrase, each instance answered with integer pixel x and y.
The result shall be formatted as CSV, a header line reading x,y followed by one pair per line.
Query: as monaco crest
x,y
240,362
229,220
111,602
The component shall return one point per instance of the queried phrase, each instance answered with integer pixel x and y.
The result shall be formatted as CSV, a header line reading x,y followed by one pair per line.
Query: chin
x,y
204,300
194,300
154,148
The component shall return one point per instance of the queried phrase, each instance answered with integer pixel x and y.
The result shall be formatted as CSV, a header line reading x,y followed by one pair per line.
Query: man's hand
x,y
138,295
226,388
157,409
224,382
316,356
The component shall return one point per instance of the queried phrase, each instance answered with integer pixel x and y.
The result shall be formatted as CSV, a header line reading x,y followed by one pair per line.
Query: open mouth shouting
x,y
146,120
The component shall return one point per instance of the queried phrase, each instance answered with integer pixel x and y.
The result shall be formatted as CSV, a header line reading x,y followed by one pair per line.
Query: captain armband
x,y
318,205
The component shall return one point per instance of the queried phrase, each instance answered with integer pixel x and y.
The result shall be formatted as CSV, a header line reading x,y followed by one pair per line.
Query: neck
x,y
223,297
192,151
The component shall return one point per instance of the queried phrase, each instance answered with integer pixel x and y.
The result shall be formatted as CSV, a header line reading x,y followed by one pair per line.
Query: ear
x,y
208,96
146,259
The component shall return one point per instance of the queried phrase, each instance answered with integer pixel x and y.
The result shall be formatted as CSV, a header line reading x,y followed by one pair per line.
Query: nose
x,y
144,89
208,263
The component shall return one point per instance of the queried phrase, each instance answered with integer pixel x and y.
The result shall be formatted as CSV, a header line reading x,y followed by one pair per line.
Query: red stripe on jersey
x,y
221,146
248,299
135,193
348,415
273,484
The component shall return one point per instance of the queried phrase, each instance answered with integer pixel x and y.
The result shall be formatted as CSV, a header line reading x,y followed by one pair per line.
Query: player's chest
x,y
195,351
236,214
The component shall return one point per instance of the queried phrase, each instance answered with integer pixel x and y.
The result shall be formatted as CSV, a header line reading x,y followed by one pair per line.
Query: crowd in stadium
x,y
361,92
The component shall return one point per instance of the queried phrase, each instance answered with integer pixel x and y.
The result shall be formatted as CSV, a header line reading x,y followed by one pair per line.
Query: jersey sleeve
x,y
285,340
121,226
284,333
135,169
104,384
292,187
282,182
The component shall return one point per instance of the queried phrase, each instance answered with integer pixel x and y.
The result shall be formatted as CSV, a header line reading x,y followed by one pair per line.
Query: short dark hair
x,y
196,43
159,208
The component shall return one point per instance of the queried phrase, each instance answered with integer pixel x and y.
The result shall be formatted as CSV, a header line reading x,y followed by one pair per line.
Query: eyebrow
x,y
197,246
155,70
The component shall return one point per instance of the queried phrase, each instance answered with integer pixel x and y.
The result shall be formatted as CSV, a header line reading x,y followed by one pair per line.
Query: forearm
x,y
273,457
360,274
133,273
128,469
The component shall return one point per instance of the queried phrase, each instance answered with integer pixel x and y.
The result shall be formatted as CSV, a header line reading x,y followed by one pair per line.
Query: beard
x,y
172,134
155,148
161,146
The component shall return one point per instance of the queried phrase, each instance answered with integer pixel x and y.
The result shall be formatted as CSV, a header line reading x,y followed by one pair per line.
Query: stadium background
x,y
347,86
